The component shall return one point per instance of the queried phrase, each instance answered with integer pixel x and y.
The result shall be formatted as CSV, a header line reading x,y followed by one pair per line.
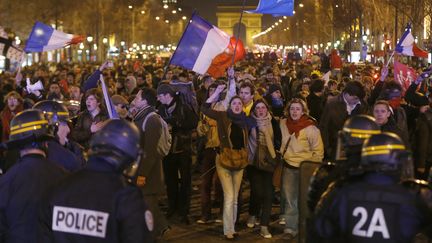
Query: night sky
x,y
207,8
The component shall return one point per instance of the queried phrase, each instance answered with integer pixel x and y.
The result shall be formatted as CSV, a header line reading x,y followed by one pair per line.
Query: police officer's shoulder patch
x,y
149,220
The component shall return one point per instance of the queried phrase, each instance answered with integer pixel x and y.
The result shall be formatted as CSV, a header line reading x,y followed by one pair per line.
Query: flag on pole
x,y
45,38
407,46
275,7
204,48
8,48
108,102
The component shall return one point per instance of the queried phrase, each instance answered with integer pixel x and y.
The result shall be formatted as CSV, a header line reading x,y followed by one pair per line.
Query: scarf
x,y
296,126
241,119
265,133
395,102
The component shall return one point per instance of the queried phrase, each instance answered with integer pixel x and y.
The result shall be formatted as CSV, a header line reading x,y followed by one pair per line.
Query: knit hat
x,y
274,87
165,89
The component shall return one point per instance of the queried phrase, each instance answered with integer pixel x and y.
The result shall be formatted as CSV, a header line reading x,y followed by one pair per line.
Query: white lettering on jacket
x,y
80,221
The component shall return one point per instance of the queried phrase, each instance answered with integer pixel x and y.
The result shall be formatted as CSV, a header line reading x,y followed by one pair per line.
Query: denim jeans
x,y
290,188
230,180
261,194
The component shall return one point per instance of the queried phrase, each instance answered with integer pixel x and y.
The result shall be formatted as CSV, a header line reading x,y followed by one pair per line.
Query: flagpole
x,y
181,38
238,31
391,56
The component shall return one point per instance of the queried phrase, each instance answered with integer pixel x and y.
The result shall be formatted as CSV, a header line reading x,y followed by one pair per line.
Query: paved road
x,y
213,232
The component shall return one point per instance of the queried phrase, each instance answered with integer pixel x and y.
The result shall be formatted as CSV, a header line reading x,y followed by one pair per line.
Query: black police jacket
x,y
64,157
96,204
21,191
373,209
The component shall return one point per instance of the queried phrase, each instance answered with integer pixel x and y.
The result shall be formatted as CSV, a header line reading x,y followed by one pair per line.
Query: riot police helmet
x,y
27,127
55,111
117,142
383,152
355,130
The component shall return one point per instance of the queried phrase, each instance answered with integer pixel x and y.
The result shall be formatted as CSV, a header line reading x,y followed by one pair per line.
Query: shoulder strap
x,y
145,119
286,146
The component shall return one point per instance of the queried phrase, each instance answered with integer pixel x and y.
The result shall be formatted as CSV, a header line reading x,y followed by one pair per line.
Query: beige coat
x,y
308,146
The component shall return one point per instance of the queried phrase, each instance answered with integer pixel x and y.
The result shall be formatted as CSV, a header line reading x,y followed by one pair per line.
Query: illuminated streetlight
x,y
157,18
337,6
165,6
105,40
280,20
294,12
130,6
167,21
179,9
142,12
285,17
81,46
301,5
89,38
174,11
122,43
184,18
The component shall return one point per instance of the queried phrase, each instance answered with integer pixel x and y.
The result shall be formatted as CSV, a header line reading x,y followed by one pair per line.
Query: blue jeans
x,y
230,181
290,188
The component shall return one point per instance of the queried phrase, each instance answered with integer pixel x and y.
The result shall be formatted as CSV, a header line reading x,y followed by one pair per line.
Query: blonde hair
x,y
13,94
297,101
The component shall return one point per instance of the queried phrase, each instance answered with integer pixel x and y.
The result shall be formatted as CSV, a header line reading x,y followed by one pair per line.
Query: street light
x,y
184,18
165,6
301,5
89,51
130,6
157,18
105,40
142,12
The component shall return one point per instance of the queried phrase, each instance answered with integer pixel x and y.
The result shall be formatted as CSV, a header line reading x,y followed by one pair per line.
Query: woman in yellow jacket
x,y
301,141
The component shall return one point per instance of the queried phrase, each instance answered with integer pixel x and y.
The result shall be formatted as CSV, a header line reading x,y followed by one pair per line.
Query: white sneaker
x,y
251,222
282,221
291,232
265,233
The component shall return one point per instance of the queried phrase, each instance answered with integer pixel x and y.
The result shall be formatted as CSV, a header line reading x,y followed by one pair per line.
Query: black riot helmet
x,y
355,130
28,127
383,152
118,144
55,112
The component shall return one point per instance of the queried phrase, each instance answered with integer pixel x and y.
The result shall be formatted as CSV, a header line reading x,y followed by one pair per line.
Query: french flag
x,y
204,48
45,38
408,47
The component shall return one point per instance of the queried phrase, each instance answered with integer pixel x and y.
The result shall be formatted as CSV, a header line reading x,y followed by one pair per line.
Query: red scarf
x,y
395,102
297,126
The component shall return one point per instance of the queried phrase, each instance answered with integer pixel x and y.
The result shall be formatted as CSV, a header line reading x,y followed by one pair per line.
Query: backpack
x,y
165,140
186,93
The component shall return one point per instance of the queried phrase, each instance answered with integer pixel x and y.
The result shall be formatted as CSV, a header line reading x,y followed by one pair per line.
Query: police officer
x,y
98,204
66,152
374,207
24,184
348,155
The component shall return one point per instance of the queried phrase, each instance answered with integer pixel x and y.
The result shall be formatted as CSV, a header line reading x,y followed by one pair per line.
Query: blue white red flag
x,y
204,48
45,38
275,7
407,46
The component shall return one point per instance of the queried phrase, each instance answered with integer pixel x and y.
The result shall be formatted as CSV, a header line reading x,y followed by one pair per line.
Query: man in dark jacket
x,y
98,203
23,186
182,120
150,174
336,111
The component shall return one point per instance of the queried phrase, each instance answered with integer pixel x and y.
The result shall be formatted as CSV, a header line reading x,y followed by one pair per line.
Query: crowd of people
x,y
257,124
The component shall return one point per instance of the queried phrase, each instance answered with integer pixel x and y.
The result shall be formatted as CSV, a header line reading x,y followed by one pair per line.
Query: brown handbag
x,y
233,159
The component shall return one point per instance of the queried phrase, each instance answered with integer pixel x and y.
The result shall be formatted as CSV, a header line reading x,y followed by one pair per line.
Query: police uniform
x,y
354,131
70,157
98,203
24,185
374,207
